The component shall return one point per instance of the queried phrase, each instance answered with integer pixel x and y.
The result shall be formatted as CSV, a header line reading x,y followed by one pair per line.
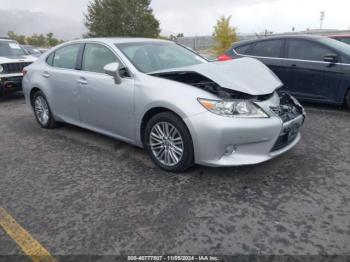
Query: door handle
x,y
82,81
294,66
45,74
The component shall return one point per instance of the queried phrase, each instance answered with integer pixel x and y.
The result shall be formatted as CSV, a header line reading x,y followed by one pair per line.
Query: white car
x,y
12,61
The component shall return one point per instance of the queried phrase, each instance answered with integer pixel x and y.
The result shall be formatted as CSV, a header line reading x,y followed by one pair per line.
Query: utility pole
x,y
323,14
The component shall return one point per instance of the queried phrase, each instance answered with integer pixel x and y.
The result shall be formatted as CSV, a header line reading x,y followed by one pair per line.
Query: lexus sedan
x,y
312,68
163,97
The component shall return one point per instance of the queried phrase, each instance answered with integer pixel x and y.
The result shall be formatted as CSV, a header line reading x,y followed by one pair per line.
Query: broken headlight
x,y
234,108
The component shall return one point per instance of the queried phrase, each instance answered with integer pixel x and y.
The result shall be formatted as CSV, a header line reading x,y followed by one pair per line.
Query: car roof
x,y
120,40
335,36
310,37
6,40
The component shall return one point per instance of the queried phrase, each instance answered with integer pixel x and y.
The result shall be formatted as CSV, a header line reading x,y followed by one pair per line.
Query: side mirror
x,y
331,58
112,69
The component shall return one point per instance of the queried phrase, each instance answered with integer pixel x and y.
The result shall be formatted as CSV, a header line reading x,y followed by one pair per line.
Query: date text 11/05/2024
x,y
173,258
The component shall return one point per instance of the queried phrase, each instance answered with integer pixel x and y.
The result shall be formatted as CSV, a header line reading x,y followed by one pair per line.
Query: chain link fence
x,y
207,42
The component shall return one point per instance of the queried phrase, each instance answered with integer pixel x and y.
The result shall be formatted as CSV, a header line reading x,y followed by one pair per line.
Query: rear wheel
x,y
169,142
42,111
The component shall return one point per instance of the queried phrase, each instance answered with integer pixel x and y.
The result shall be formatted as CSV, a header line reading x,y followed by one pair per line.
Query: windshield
x,y
345,40
155,56
10,48
342,47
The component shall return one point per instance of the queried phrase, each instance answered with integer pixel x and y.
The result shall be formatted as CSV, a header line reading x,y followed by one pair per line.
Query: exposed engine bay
x,y
289,107
200,81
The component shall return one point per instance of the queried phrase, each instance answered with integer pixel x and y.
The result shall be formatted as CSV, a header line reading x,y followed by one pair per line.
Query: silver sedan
x,y
161,96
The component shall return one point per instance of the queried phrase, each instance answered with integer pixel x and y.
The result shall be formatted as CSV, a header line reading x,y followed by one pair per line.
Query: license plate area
x,y
293,132
287,137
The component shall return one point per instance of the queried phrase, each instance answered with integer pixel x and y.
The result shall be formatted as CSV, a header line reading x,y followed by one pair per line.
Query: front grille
x,y
288,109
14,67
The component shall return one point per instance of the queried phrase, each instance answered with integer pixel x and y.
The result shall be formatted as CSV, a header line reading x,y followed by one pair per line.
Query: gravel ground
x,y
78,192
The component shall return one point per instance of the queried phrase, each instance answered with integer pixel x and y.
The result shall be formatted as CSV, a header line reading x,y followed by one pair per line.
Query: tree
x,y
21,39
175,37
224,35
35,40
123,18
51,41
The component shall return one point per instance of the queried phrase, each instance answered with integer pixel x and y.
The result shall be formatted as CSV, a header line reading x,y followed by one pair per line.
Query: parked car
x,y
12,61
43,50
312,68
342,38
31,50
164,97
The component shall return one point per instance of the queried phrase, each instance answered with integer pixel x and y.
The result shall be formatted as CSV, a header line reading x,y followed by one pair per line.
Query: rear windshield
x,y
155,56
9,48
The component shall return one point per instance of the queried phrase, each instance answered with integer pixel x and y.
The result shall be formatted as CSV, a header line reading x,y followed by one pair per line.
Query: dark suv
x,y
312,68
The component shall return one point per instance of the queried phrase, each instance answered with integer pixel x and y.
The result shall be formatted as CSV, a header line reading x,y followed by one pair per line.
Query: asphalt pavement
x,y
80,193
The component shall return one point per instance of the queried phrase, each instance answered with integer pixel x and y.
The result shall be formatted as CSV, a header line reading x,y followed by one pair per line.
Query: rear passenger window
x,y
270,48
49,59
242,49
306,50
66,57
96,57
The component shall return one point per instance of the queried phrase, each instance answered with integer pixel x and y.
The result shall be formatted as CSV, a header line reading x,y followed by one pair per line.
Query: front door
x,y
309,77
103,104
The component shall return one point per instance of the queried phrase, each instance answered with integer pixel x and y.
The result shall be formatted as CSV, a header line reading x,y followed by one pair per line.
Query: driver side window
x,y
96,57
306,50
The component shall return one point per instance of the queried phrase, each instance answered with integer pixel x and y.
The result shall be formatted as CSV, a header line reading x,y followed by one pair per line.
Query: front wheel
x,y
347,100
42,111
169,142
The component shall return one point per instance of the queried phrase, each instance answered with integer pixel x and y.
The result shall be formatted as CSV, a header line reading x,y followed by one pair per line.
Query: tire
x,y
165,149
347,100
42,111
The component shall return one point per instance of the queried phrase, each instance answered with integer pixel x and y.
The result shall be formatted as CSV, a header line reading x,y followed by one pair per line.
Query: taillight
x,y
24,72
224,57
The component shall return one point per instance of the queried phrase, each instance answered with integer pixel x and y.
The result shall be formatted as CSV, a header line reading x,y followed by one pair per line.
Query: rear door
x,y
270,52
309,76
61,76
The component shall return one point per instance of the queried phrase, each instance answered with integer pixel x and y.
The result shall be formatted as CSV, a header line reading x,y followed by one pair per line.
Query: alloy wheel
x,y
166,143
41,109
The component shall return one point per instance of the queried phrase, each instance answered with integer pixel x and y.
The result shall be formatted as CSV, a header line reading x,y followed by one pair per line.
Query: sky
x,y
191,17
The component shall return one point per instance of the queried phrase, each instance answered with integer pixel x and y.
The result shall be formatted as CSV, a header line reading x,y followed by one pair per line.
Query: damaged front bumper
x,y
224,141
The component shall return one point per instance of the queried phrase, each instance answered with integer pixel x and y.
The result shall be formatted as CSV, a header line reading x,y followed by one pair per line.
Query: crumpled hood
x,y
246,75
16,59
